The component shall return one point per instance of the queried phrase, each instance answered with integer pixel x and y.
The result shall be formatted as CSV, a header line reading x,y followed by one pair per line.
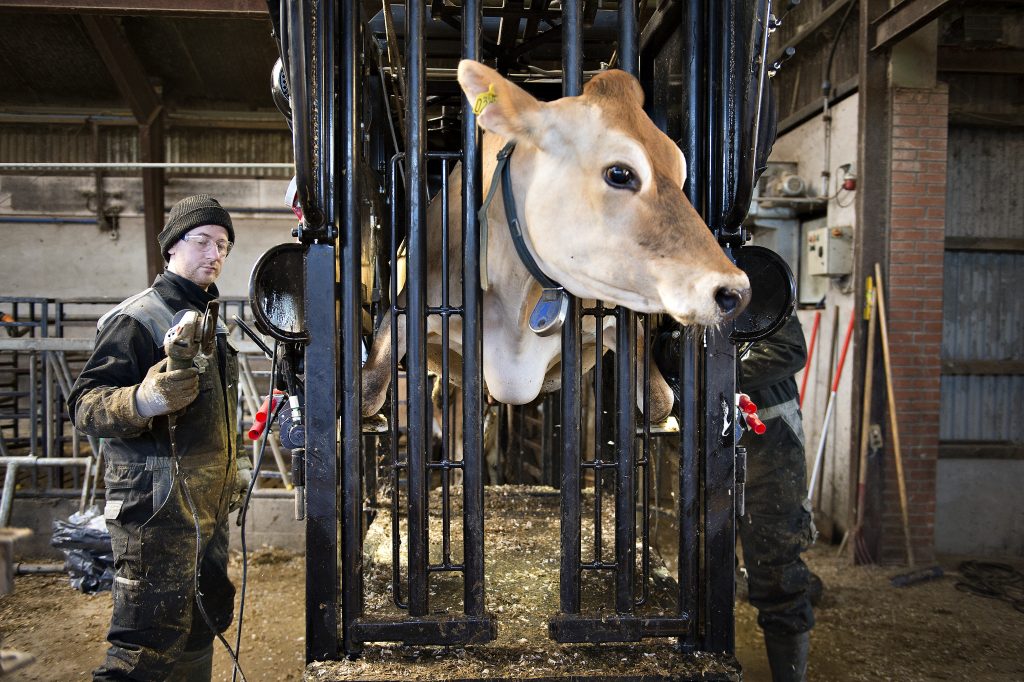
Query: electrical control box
x,y
829,251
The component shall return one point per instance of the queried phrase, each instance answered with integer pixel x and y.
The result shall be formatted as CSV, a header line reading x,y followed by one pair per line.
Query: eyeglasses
x,y
204,241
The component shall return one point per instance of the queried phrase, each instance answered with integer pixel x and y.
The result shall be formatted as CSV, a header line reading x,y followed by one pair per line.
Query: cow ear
x,y
502,107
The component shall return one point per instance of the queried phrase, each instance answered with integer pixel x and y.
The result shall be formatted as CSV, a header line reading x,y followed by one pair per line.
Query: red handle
x,y
846,347
810,354
746,404
755,424
260,419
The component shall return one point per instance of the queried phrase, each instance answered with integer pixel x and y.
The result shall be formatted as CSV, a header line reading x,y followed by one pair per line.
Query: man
x,y
172,462
776,526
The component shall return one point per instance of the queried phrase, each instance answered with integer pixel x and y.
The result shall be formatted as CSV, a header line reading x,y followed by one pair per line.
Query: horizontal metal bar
x,y
576,629
181,119
46,344
441,629
118,165
181,8
35,460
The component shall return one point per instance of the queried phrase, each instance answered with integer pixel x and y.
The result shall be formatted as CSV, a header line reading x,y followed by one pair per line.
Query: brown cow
x,y
598,189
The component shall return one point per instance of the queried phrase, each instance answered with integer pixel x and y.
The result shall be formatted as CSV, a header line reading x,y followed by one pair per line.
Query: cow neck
x,y
549,313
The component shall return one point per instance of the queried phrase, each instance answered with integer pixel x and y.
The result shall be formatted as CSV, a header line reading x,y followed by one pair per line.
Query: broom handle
x,y
893,425
865,417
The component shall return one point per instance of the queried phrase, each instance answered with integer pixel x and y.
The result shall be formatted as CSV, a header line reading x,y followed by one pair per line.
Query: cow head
x,y
599,189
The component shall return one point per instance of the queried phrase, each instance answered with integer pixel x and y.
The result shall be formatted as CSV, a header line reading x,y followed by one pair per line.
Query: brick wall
x,y
914,306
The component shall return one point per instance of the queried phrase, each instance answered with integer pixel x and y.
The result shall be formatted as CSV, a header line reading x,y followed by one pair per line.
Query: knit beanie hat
x,y
189,213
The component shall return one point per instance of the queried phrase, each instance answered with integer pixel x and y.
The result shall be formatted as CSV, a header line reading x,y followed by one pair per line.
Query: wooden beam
x,y
170,8
124,66
904,19
980,450
871,238
809,29
1000,244
952,59
151,148
130,75
982,367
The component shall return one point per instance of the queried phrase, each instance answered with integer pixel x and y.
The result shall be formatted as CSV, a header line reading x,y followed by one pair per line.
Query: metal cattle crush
x,y
377,124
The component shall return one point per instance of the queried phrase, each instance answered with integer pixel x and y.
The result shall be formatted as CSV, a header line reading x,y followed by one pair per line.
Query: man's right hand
x,y
164,392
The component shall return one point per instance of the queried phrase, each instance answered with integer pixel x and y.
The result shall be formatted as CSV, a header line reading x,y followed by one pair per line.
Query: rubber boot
x,y
193,666
787,656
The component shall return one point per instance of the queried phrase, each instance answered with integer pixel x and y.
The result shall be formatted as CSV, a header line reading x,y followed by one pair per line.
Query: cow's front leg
x,y
377,370
661,393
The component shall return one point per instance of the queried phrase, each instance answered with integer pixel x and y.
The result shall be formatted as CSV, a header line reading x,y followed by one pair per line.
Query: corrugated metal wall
x,y
74,144
983,311
985,183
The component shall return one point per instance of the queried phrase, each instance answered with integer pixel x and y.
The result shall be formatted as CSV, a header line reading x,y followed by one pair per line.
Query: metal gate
x,y
701,62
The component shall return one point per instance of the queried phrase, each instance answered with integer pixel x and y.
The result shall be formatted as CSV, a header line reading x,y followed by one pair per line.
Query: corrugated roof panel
x,y
49,60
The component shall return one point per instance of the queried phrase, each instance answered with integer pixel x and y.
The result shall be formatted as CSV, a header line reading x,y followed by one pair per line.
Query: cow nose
x,y
727,299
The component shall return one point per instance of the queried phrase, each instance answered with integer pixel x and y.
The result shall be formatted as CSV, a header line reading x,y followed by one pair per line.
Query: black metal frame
x,y
327,147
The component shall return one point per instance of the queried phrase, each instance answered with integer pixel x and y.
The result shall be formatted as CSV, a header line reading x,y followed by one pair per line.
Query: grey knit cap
x,y
190,213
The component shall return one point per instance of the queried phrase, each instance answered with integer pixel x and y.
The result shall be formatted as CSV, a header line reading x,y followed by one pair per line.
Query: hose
x,y
993,581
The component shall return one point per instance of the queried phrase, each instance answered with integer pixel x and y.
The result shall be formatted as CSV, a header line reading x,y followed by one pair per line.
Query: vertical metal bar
x,y
625,385
629,59
393,413
689,489
569,593
602,431
644,463
720,478
322,558
719,373
472,340
546,441
312,55
10,477
351,324
447,449
416,319
625,457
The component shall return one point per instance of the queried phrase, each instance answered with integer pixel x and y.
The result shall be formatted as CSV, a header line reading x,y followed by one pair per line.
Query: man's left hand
x,y
243,479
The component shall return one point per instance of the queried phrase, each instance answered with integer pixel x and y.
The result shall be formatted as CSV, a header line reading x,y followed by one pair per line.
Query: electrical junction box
x,y
829,251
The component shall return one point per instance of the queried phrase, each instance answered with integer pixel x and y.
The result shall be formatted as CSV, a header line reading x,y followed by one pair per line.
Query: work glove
x,y
243,479
165,392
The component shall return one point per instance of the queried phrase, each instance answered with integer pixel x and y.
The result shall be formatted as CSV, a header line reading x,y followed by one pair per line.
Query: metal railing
x,y
46,344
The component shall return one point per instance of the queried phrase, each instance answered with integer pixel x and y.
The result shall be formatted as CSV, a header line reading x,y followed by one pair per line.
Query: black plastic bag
x,y
88,557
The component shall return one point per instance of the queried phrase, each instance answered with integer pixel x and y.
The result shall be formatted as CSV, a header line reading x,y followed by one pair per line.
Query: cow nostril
x,y
727,299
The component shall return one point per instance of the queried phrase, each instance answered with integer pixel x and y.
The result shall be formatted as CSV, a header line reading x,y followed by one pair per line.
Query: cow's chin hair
x,y
694,327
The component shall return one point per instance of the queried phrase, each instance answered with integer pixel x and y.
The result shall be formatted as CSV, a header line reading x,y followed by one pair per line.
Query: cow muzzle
x,y
708,300
731,302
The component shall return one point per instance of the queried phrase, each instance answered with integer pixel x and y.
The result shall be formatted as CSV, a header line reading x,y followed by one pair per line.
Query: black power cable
x,y
244,509
233,653
992,580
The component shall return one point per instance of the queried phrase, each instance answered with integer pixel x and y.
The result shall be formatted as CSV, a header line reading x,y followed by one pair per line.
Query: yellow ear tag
x,y
485,98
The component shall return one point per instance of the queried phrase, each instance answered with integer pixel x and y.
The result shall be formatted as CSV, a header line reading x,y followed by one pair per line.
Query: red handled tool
x,y
266,409
831,403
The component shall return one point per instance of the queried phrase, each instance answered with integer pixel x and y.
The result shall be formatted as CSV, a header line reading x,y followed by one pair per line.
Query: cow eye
x,y
621,177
